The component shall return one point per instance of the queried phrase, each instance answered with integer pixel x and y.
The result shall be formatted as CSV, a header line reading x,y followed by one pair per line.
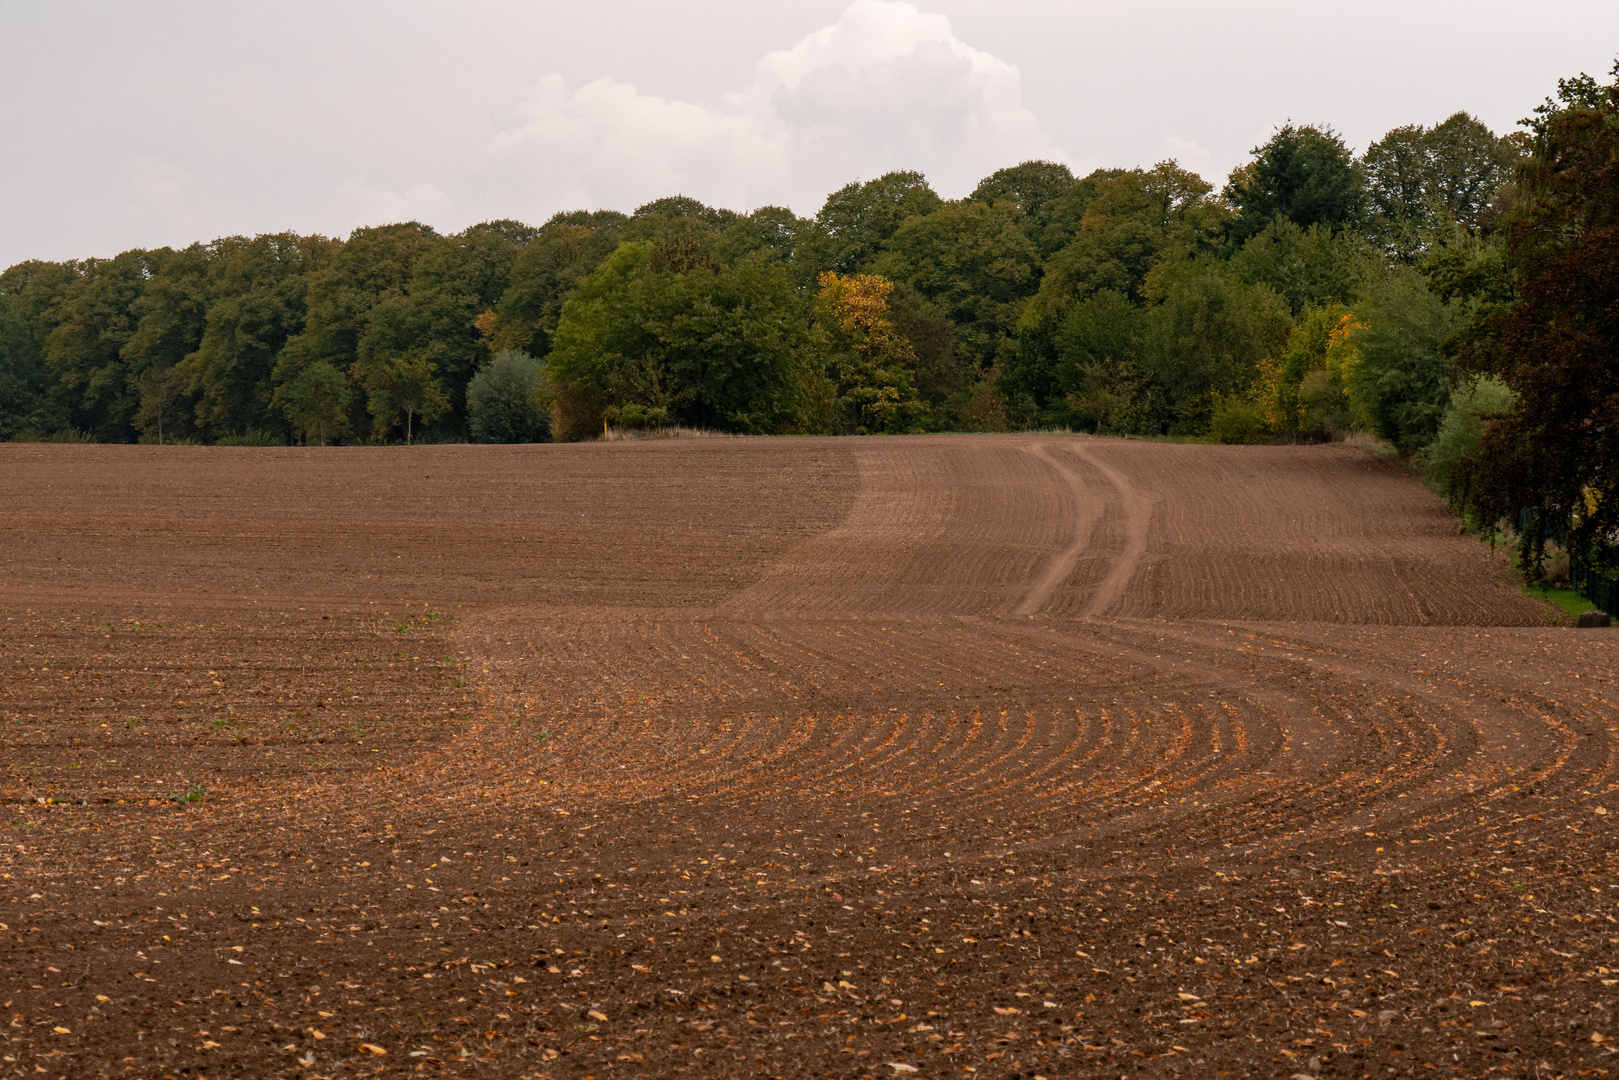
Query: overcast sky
x,y
126,124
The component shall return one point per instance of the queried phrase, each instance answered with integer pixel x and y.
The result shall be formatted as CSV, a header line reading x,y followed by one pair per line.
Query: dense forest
x,y
1316,294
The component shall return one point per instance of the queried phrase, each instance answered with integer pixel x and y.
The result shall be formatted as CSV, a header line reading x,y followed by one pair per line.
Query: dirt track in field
x,y
980,756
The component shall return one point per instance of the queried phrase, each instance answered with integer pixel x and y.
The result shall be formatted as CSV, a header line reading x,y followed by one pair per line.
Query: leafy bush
x,y
633,417
504,400
1399,384
251,437
1236,421
1462,426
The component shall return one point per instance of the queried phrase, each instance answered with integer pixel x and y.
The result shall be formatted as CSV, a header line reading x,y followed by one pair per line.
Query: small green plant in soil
x,y
193,795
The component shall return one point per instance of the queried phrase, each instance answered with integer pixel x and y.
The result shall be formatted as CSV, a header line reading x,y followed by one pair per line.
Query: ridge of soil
x,y
967,756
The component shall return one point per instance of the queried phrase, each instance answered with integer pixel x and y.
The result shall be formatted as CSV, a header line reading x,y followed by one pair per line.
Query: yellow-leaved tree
x,y
869,362
1304,392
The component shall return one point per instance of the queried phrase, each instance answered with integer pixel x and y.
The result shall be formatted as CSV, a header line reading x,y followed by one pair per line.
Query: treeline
x,y
1317,293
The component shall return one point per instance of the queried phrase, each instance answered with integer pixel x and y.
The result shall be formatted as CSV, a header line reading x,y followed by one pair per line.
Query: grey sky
x,y
141,124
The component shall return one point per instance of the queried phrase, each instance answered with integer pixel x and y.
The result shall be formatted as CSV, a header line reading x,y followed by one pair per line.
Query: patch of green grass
x,y
1571,602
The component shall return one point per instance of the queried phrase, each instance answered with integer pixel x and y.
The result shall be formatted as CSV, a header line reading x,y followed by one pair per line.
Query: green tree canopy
x,y
317,402
1305,174
1067,210
1098,358
84,350
568,248
1462,428
944,373
436,318
662,326
1034,187
857,220
403,391
258,289
172,312
1207,335
1403,379
774,233
31,294
1132,221
974,261
1126,300
673,207
1418,177
374,264
1306,267
24,401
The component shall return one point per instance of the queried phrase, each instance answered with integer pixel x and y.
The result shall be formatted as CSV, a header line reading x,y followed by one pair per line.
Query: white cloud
x,y
359,203
885,87
256,116
1190,155
608,145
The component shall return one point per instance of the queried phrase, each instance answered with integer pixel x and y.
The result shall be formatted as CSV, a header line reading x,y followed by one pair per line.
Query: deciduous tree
x,y
404,388
1034,188
162,389
1207,335
172,312
28,293
84,350
1554,458
257,303
316,402
869,362
857,220
568,249
1417,178
661,325
971,260
1303,173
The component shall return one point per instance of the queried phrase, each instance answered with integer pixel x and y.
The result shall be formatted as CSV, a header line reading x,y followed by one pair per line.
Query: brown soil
x,y
979,756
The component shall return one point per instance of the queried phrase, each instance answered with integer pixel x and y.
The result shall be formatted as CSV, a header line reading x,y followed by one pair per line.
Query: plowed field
x,y
977,756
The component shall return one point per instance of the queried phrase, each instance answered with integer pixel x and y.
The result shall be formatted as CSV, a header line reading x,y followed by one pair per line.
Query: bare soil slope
x,y
966,756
